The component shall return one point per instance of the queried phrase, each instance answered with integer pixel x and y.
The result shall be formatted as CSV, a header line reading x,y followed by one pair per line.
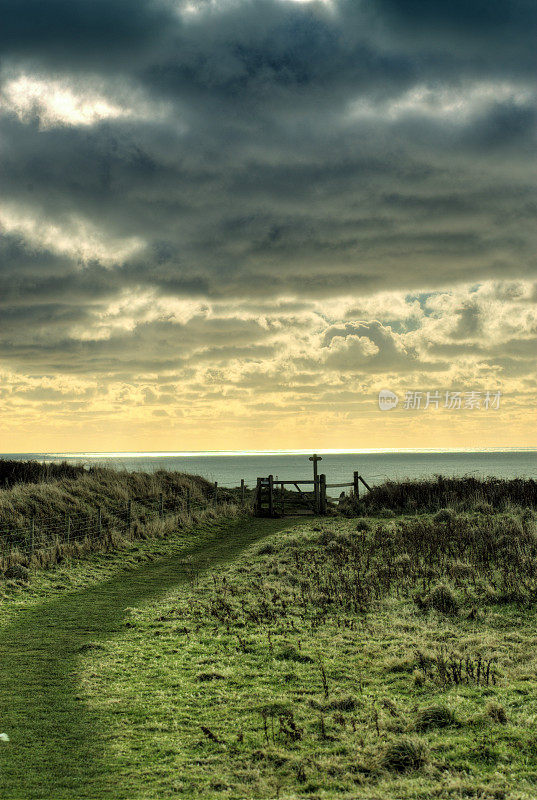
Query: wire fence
x,y
45,534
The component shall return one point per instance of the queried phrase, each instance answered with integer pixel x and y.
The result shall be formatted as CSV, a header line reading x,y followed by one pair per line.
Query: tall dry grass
x,y
101,487
13,472
42,523
464,493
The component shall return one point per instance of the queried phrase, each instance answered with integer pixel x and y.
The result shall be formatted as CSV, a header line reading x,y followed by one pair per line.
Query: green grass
x,y
338,658
60,744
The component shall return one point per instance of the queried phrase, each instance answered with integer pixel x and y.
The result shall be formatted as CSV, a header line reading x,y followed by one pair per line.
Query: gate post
x,y
315,458
258,496
322,494
356,487
271,495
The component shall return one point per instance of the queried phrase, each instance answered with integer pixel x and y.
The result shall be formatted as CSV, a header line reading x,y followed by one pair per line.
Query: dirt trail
x,y
57,749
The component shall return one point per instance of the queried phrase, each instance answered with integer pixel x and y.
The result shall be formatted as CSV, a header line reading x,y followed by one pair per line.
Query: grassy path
x,y
58,748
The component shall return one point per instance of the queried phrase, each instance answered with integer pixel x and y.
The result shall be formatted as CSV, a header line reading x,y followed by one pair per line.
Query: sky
x,y
229,224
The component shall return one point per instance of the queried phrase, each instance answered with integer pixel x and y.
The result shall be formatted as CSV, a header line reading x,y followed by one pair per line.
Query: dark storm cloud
x,y
42,341
80,30
267,149
270,44
503,19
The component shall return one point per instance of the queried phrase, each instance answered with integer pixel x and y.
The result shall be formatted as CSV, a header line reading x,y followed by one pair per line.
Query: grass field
x,y
336,658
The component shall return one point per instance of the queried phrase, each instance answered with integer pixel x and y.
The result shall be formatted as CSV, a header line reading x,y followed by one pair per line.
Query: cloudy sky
x,y
227,224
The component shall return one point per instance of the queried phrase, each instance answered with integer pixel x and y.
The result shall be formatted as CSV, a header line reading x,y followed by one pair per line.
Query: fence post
x,y
188,499
99,522
271,495
258,496
161,505
216,493
356,486
242,491
316,494
315,458
322,494
129,515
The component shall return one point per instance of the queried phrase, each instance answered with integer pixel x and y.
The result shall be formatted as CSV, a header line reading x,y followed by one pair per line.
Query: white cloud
x,y
453,104
56,103
73,236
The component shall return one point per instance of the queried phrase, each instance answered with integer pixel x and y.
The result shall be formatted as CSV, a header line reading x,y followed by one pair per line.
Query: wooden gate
x,y
275,498
303,497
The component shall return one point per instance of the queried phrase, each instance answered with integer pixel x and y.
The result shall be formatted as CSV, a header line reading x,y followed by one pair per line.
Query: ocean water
x,y
375,466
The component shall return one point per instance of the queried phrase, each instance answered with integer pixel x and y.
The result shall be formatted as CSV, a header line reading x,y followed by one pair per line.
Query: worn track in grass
x,y
58,748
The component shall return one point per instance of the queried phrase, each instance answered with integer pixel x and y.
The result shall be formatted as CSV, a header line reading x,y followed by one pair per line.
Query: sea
x,y
376,466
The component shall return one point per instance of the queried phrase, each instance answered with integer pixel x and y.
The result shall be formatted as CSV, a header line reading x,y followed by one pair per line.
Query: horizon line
x,y
217,453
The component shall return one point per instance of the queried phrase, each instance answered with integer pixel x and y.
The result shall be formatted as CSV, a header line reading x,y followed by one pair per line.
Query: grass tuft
x,y
443,599
435,717
290,653
496,712
404,754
